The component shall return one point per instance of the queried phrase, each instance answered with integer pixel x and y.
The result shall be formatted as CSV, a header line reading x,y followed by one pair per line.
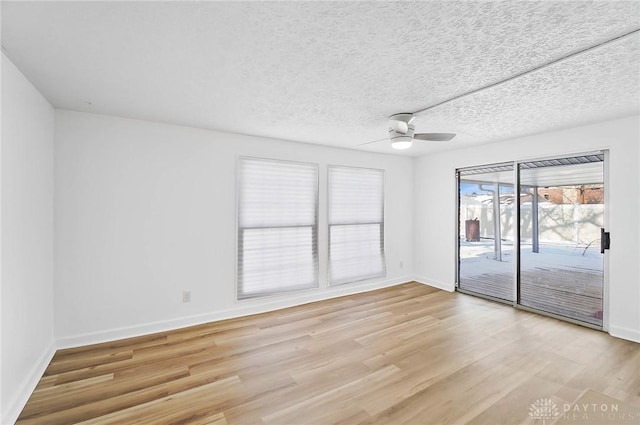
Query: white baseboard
x,y
18,400
241,309
450,287
625,333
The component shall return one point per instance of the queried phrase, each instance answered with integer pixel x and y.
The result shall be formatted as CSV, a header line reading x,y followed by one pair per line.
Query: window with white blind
x,y
356,224
277,226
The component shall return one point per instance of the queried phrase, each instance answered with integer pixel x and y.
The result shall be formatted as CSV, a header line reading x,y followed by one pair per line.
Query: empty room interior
x,y
320,213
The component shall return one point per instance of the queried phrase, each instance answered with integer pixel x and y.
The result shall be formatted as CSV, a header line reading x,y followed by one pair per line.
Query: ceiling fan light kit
x,y
401,139
401,143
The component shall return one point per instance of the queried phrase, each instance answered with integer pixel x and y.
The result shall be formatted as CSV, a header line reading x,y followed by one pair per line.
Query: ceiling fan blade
x,y
434,137
399,126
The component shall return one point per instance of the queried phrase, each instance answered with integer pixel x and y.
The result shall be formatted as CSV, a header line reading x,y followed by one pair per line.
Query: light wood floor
x,y
409,354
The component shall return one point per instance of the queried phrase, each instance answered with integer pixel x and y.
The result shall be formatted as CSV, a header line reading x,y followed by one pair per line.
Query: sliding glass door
x,y
486,231
561,217
543,252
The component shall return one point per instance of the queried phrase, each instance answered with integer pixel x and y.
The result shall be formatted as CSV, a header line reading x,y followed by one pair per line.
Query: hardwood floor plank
x,y
335,399
196,405
92,410
68,363
513,407
64,396
129,343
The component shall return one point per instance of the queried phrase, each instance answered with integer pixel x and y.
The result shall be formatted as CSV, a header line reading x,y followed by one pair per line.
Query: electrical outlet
x,y
186,296
401,264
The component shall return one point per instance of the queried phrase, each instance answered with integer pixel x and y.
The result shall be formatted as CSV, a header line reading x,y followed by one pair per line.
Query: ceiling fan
x,y
402,132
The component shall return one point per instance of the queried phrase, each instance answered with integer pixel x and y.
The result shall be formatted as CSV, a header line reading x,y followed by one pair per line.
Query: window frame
x,y
383,256
239,230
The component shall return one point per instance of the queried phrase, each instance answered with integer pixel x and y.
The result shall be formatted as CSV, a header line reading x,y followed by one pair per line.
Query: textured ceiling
x,y
331,72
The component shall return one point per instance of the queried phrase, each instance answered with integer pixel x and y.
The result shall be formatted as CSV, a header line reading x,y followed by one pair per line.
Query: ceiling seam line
x,y
530,71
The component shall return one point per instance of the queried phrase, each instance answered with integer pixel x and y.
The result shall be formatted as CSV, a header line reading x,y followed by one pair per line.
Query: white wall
x,y
434,202
146,210
27,238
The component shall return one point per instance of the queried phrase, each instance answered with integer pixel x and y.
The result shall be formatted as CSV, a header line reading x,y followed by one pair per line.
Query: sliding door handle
x,y
605,240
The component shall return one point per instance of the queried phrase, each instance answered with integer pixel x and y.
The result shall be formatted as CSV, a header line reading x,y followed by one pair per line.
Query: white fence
x,y
576,223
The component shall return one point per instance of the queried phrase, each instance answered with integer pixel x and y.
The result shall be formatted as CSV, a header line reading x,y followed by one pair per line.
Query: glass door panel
x,y
561,216
486,217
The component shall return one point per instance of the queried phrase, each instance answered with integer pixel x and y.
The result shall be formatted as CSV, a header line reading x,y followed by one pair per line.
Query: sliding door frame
x,y
457,222
516,237
607,225
517,233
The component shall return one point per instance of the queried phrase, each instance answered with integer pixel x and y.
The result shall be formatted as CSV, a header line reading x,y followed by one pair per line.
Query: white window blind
x,y
356,224
277,226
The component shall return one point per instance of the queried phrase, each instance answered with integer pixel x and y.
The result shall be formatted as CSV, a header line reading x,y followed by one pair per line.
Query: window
x,y
356,224
277,226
